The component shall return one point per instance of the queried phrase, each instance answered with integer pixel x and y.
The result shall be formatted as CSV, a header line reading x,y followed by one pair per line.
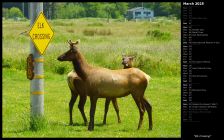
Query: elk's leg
x,y
149,111
107,102
140,108
143,105
71,104
81,105
93,100
114,101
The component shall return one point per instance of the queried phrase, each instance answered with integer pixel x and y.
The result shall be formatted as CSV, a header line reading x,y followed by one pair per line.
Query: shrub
x,y
92,32
6,63
60,69
70,30
89,32
95,24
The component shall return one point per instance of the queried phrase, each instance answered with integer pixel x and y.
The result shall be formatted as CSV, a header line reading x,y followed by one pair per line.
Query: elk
x,y
127,61
101,82
74,83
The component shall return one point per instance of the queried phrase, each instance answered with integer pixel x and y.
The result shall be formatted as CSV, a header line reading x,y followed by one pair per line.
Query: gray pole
x,y
23,8
37,84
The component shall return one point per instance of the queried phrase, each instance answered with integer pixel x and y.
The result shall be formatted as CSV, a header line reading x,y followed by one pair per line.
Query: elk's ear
x,y
123,55
133,57
77,42
69,42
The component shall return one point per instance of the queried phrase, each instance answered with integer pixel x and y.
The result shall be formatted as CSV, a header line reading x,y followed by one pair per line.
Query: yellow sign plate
x,y
41,33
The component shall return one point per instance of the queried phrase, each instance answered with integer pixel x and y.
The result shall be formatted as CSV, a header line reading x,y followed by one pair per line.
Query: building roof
x,y
138,8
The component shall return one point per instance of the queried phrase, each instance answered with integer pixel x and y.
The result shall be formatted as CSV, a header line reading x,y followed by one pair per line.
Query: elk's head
x,y
70,54
127,61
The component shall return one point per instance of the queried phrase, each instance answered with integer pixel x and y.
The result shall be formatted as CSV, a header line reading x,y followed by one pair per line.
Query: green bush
x,y
15,12
157,34
6,63
60,69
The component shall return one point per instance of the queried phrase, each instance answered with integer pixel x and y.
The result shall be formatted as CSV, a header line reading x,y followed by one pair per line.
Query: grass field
x,y
156,46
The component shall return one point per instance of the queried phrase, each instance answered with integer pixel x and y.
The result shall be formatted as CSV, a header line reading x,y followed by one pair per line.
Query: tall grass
x,y
156,44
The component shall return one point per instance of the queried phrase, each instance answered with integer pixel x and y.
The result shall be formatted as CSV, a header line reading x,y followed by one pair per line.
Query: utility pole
x,y
37,83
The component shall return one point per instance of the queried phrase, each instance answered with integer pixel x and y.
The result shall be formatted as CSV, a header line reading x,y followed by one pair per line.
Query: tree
x,y
134,4
15,12
5,12
122,7
175,9
167,9
109,8
69,10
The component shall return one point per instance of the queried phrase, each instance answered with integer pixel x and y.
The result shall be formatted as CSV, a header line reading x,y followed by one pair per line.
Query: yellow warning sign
x,y
41,33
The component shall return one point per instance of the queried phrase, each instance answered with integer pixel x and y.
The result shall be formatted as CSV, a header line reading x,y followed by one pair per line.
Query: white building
x,y
140,13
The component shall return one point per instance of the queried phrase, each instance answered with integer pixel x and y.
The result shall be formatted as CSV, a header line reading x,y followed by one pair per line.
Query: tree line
x,y
68,10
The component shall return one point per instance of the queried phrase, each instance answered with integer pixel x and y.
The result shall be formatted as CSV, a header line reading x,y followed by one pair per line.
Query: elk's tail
x,y
147,77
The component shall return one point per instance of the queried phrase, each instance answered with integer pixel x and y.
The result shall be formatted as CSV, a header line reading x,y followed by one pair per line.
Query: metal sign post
x,y
37,83
40,34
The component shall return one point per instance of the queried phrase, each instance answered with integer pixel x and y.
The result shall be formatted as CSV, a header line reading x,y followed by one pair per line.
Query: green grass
x,y
163,93
160,58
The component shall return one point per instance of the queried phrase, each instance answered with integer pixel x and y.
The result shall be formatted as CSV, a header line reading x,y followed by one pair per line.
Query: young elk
x,y
103,83
127,62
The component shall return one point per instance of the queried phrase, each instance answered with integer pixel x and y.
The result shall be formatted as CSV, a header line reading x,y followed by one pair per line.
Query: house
x,y
139,13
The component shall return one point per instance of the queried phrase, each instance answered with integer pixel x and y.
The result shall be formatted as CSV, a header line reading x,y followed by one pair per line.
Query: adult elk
x,y
102,83
76,88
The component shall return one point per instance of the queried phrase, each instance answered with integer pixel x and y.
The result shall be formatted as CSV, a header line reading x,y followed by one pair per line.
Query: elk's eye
x,y
72,50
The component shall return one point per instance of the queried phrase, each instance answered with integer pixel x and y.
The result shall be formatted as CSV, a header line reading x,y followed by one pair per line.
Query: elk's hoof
x,y
85,123
119,121
71,123
104,122
150,127
90,129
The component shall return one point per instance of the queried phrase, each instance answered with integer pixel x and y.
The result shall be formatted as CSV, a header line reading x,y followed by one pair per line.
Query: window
x,y
147,13
137,13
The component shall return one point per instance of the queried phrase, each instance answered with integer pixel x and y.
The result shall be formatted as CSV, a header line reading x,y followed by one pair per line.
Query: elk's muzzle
x,y
60,58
